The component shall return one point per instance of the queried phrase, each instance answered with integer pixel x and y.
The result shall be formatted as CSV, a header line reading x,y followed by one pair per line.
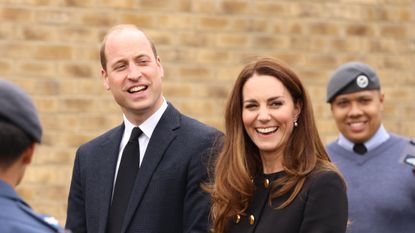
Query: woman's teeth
x,y
266,130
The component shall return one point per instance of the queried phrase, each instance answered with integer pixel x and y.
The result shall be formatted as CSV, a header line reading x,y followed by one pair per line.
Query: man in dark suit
x,y
20,130
164,195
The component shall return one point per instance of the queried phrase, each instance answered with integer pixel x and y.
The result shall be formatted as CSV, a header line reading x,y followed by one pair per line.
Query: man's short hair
x,y
103,56
13,142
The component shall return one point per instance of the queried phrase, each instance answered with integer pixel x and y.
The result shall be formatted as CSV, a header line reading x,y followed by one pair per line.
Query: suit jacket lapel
x,y
162,136
107,162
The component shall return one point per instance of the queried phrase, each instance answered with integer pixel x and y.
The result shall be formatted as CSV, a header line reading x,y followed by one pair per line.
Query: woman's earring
x,y
295,124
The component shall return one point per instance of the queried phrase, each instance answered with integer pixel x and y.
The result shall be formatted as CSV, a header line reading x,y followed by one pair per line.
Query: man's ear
x,y
28,154
381,100
381,97
104,75
158,61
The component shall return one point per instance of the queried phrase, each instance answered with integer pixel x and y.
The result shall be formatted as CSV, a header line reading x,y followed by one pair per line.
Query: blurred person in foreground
x,y
20,130
148,182
273,174
377,165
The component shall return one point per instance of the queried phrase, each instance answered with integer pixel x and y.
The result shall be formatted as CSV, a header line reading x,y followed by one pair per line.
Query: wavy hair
x,y
239,160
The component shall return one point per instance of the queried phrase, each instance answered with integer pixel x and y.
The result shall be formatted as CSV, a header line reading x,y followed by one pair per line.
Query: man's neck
x,y
8,179
12,175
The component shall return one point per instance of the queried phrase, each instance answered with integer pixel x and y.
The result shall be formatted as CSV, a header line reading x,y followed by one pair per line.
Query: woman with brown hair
x,y
273,173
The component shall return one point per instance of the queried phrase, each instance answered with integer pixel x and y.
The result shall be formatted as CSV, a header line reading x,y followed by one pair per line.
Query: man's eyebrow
x,y
341,99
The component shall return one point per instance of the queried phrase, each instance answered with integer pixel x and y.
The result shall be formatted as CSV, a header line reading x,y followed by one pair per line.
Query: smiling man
x,y
149,182
381,184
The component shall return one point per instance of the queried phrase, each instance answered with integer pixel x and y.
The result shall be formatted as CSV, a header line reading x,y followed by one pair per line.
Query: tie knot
x,y
360,148
135,134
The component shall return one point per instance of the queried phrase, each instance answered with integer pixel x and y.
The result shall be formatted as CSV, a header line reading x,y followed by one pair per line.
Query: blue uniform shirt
x,y
17,217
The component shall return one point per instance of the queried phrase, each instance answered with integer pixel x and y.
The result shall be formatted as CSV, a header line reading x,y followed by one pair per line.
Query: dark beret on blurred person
x,y
17,108
352,77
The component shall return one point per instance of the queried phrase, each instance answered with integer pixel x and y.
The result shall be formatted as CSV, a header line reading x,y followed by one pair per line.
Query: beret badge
x,y
362,81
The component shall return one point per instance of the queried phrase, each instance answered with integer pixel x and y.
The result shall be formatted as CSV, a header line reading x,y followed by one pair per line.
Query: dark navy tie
x,y
124,183
360,148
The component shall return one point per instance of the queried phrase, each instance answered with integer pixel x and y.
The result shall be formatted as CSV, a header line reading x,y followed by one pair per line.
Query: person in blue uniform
x,y
377,165
273,174
20,130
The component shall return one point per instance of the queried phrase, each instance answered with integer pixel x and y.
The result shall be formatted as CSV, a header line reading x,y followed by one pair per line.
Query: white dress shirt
x,y
147,127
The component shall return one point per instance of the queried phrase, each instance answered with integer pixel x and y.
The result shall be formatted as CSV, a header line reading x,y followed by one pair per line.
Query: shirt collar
x,y
148,125
378,138
6,190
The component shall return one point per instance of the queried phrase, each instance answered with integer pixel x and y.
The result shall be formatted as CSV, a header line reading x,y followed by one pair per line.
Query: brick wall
x,y
50,48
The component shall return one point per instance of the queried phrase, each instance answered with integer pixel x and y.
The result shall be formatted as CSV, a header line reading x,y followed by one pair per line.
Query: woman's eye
x,y
277,104
250,106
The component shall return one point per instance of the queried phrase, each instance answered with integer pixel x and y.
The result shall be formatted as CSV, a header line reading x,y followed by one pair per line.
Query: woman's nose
x,y
263,115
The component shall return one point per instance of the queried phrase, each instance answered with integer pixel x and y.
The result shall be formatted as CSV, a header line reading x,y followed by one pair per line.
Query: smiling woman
x,y
268,115
273,174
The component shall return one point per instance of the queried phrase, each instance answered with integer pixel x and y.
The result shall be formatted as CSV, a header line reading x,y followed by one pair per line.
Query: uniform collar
x,y
7,191
378,138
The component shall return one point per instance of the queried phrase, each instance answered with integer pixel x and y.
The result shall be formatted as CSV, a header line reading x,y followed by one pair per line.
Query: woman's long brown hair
x,y
239,159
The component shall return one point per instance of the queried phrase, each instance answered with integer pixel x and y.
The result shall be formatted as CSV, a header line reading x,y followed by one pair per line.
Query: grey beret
x,y
17,108
352,77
